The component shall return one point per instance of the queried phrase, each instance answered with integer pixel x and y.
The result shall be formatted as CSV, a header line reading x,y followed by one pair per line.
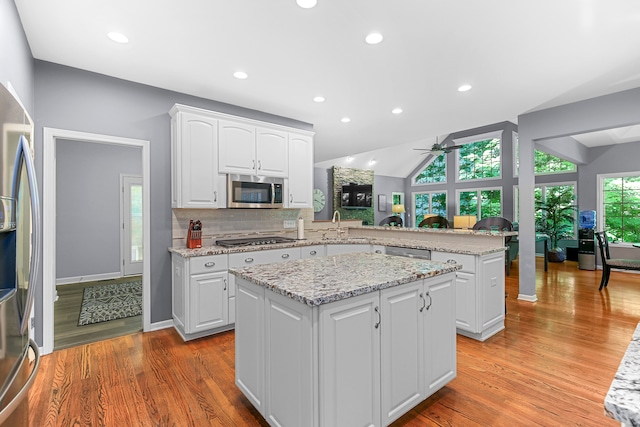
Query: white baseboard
x,y
528,298
161,325
90,278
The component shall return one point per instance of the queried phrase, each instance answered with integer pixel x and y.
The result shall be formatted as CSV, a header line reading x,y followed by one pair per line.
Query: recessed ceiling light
x,y
349,159
464,88
372,162
373,38
118,37
345,120
306,4
397,110
319,99
240,75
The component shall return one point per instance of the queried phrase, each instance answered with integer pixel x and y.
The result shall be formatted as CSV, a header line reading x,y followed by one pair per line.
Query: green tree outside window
x,y
621,208
430,203
436,171
479,160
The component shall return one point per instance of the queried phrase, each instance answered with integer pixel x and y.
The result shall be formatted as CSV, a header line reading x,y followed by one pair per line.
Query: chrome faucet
x,y
334,221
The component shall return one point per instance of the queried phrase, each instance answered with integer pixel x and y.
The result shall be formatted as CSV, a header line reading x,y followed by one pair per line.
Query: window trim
x,y
477,138
600,199
465,190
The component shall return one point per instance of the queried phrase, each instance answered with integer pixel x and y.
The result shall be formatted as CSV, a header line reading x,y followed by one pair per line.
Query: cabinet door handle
x,y
248,260
451,261
259,165
430,301
209,264
379,317
253,164
313,253
285,256
290,198
378,251
225,285
424,302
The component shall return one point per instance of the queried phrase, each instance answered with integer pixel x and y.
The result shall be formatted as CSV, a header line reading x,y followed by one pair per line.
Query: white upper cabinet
x,y
300,183
237,148
195,179
252,150
272,156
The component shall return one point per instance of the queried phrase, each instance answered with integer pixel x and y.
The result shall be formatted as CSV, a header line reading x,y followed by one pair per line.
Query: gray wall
x,y
16,61
322,180
73,99
88,206
385,185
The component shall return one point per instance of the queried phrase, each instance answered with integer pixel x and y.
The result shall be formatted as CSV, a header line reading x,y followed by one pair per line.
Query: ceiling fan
x,y
437,149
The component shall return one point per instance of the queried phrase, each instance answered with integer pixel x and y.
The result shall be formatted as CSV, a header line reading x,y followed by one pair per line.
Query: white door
x,y
131,237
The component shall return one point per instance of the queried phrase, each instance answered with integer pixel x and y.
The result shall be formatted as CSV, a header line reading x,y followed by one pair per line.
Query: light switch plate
x,y
289,223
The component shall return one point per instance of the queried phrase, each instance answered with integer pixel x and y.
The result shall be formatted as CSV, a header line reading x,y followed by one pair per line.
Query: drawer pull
x,y
313,253
285,256
209,264
248,260
451,261
378,251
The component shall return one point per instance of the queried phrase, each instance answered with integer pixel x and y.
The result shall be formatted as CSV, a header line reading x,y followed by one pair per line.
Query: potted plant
x,y
555,217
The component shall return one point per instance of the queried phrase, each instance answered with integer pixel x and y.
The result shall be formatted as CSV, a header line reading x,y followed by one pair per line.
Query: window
x,y
556,211
436,171
479,160
429,203
483,203
543,163
619,206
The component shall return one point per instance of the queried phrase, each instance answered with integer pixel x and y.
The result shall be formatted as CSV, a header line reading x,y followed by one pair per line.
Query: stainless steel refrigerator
x,y
19,260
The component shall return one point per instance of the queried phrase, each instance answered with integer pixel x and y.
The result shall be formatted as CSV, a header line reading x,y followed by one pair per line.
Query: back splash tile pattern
x,y
220,222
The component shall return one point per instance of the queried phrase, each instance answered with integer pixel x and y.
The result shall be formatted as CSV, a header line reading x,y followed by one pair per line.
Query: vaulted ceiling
x,y
518,56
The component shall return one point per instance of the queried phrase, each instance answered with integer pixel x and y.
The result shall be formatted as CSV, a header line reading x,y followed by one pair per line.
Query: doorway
x,y
49,189
131,245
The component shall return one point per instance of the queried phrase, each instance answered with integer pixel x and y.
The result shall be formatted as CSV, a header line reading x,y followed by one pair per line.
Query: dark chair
x,y
501,224
393,221
434,222
608,263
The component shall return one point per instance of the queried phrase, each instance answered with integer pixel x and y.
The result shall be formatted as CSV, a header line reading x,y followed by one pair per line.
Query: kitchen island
x,y
352,339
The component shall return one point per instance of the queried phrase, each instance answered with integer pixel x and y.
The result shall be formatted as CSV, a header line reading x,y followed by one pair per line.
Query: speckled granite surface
x,y
622,402
453,247
444,231
326,279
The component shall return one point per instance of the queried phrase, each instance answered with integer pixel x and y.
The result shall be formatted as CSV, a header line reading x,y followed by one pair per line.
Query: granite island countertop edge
x,y
298,279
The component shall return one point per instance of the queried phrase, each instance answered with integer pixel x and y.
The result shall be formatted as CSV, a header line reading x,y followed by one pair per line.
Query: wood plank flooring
x,y
552,366
66,312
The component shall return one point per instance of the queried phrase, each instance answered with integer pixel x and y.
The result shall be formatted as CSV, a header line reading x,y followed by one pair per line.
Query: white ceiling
x,y
519,56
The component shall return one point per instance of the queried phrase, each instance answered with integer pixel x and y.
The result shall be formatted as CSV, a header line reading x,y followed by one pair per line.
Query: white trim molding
x,y
528,298
50,137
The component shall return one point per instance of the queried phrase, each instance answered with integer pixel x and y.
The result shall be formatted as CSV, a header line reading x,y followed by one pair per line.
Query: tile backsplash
x,y
219,222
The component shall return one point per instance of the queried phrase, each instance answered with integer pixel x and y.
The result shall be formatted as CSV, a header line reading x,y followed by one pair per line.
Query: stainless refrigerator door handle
x,y
22,394
23,155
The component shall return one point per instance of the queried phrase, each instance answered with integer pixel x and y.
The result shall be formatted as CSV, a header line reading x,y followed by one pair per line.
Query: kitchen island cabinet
x,y
352,339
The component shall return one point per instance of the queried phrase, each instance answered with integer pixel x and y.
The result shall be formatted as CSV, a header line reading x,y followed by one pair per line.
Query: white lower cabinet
x,y
361,361
418,343
200,295
479,293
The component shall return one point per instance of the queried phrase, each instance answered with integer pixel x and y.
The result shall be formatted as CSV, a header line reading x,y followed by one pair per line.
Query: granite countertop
x,y
444,230
323,280
622,402
453,247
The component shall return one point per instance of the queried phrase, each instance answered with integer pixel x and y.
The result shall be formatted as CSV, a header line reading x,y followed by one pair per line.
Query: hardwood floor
x,y
552,366
67,333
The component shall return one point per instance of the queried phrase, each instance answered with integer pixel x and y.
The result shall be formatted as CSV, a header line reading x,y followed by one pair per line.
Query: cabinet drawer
x,y
206,264
263,257
468,262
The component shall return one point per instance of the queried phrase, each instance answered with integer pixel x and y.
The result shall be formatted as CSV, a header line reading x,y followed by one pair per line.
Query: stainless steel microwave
x,y
247,191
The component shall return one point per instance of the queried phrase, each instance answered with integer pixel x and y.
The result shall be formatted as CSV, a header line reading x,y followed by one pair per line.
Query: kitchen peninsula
x,y
204,293
351,339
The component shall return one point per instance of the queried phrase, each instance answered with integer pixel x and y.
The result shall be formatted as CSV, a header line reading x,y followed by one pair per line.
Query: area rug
x,y
110,302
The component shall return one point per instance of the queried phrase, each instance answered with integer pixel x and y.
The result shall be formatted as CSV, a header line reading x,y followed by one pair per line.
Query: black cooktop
x,y
253,241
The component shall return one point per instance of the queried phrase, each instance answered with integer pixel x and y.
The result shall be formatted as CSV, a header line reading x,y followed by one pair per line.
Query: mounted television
x,y
357,196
